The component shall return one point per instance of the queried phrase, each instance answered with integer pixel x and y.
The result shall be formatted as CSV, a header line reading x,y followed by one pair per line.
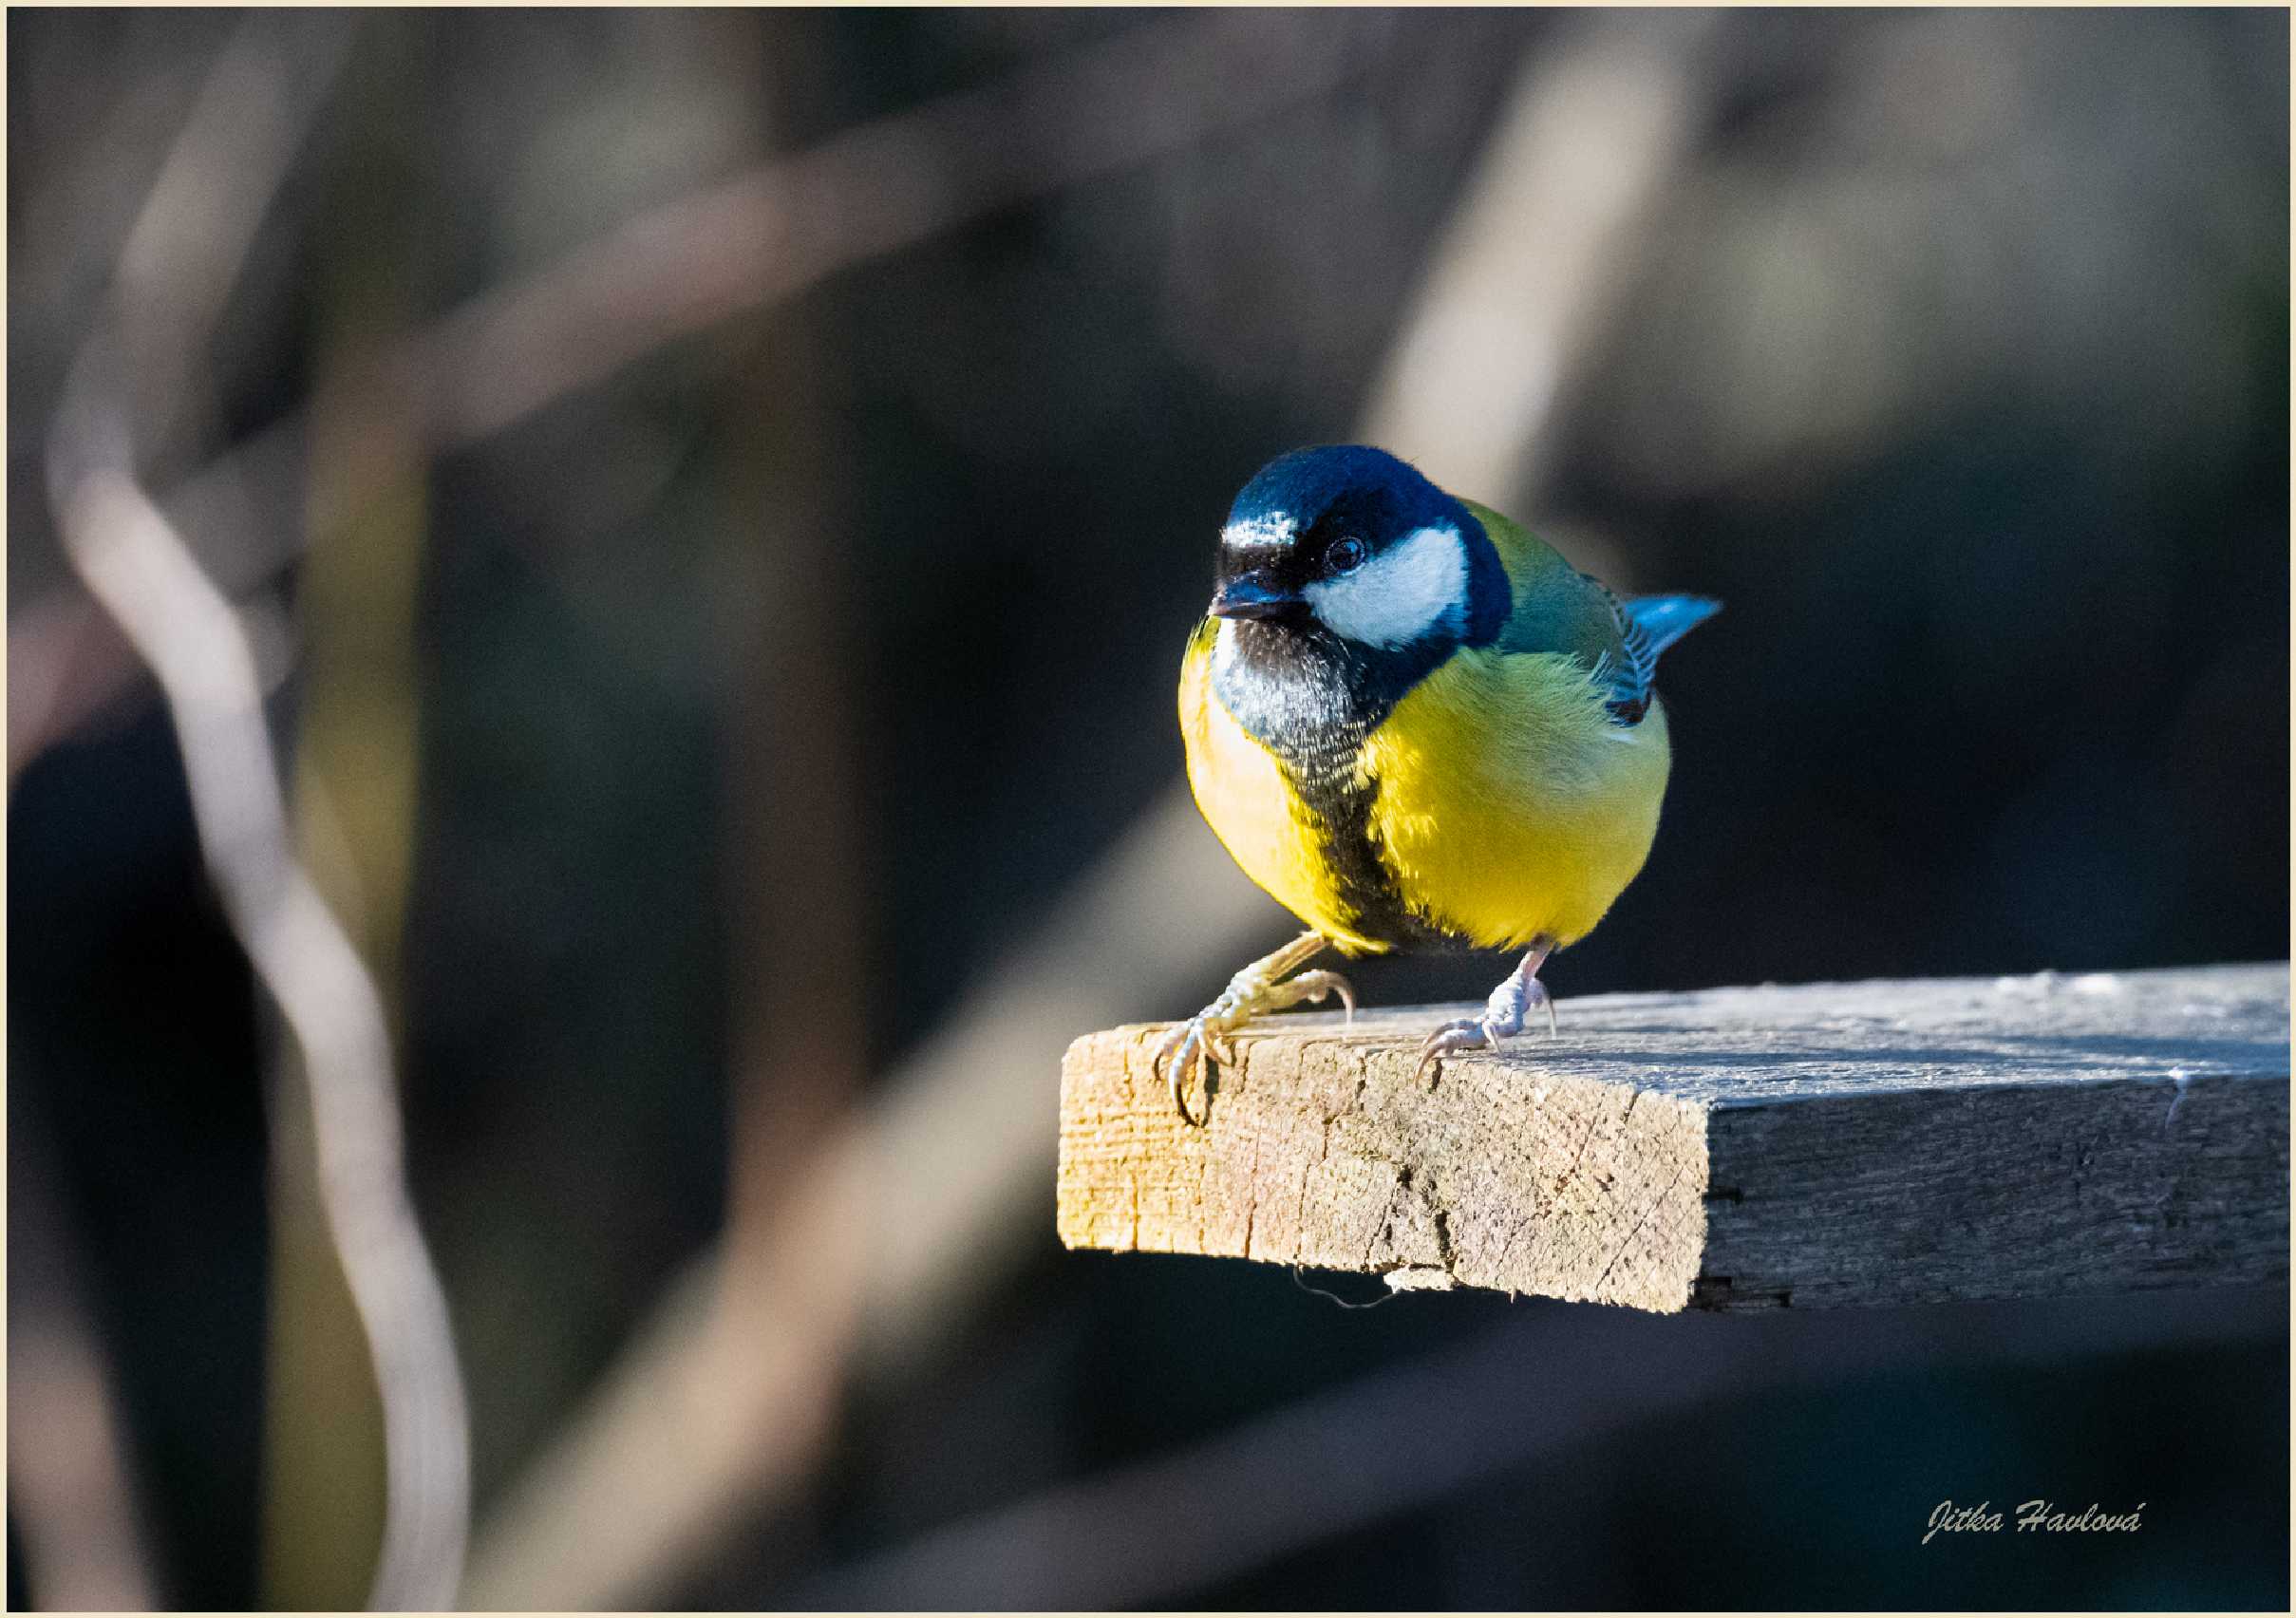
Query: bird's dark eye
x,y
1345,556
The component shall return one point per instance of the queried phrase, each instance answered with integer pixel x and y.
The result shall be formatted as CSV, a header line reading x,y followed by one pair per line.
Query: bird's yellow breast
x,y
1247,801
1508,804
1503,803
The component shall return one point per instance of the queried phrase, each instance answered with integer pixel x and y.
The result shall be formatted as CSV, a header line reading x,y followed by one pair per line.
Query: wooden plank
x,y
1741,1148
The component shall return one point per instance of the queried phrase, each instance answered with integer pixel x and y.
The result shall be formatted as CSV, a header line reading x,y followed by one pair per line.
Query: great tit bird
x,y
1415,726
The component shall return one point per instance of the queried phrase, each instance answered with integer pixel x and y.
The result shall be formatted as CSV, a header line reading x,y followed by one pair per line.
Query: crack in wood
x,y
1954,1138
1251,1192
1655,1203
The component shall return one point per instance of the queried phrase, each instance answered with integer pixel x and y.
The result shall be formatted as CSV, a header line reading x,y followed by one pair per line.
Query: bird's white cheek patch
x,y
1400,595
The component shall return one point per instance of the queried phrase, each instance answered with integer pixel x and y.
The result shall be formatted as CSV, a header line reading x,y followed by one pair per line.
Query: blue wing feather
x,y
1647,625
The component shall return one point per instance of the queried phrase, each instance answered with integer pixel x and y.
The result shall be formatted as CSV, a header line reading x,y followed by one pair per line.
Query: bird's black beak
x,y
1254,595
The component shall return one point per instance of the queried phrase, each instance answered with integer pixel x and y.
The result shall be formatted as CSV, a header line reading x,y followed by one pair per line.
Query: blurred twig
x,y
1527,270
135,564
744,245
356,774
797,816
905,1215
924,1199
70,1490
863,193
67,663
180,260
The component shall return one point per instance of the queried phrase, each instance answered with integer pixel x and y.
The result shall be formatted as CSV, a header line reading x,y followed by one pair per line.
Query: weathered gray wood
x,y
1744,1148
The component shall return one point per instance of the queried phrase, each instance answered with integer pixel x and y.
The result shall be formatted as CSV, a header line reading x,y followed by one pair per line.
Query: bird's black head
x,y
1343,577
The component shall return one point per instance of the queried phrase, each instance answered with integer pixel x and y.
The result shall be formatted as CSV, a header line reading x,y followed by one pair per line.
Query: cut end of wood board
x,y
1830,1143
1322,1150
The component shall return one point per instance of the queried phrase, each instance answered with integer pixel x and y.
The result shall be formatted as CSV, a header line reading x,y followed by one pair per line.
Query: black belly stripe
x,y
1313,709
1325,782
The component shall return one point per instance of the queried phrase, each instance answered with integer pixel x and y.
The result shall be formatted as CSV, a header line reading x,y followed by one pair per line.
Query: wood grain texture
x,y
1744,1148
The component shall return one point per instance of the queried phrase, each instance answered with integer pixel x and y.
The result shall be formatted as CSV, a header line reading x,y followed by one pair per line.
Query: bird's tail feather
x,y
1665,620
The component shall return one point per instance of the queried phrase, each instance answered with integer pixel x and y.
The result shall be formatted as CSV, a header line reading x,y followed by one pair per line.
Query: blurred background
x,y
706,507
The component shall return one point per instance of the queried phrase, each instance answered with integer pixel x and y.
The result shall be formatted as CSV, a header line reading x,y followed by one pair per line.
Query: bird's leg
x,y
1267,985
1503,1013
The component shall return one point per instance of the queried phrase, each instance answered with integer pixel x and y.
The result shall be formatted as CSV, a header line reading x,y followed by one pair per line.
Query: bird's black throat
x,y
1312,700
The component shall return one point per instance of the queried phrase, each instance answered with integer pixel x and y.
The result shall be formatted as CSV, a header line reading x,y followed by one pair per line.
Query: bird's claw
x,y
1468,1033
1188,1047
1540,997
1502,1019
1316,986
1203,1038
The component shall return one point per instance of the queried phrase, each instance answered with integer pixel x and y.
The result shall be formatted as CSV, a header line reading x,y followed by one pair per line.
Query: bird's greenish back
x,y
1556,607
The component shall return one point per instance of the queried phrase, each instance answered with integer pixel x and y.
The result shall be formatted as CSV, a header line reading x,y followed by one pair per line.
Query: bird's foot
x,y
1503,1016
1264,985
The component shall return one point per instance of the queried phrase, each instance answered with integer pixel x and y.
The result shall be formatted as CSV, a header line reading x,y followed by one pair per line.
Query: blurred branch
x,y
797,816
907,1213
67,663
356,779
1405,1439
193,233
66,660
928,1196
181,261
71,1492
135,564
742,246
1528,270
863,193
